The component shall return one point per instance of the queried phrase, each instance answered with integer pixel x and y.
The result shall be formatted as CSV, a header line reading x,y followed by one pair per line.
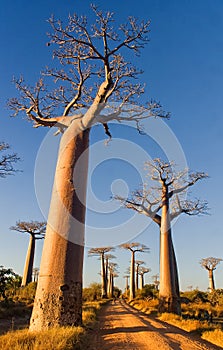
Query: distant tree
x,y
36,230
166,197
92,292
156,281
108,258
101,251
138,263
112,268
35,274
126,277
133,247
6,280
142,271
210,265
7,160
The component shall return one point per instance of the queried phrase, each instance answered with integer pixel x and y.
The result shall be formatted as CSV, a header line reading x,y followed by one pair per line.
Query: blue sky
x,y
183,69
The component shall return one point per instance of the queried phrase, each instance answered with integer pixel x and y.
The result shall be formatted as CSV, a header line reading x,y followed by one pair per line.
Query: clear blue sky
x,y
183,68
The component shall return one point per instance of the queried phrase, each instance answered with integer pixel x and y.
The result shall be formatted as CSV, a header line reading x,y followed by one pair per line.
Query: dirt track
x,y
120,327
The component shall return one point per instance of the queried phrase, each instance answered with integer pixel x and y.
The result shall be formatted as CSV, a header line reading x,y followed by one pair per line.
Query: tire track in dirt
x,y
121,327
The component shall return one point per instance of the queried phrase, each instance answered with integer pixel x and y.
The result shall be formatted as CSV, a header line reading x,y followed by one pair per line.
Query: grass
x,y
215,337
148,307
54,339
187,325
59,338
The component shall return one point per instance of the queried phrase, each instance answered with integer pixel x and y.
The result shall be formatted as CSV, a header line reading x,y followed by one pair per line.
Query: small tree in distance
x,y
166,197
101,251
210,265
36,230
133,247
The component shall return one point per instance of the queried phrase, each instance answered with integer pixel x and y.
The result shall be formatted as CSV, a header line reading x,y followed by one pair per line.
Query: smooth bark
x,y
211,280
58,299
103,278
132,277
28,268
168,293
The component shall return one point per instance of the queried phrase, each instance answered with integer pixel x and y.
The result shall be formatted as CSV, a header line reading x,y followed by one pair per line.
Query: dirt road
x,y
120,327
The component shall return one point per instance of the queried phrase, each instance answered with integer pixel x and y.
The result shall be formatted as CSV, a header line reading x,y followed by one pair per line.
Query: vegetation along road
x,y
121,327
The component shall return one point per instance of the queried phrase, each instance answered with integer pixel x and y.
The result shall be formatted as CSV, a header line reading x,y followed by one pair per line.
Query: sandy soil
x,y
121,327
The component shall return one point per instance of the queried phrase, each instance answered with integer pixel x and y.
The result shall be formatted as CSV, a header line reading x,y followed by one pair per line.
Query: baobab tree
x,y
156,281
133,247
108,258
137,264
142,271
92,72
167,197
36,230
112,268
35,274
101,253
210,265
126,283
7,160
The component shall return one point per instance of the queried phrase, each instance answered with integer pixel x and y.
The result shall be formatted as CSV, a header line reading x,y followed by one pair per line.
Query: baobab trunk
x,y
132,278
137,276
211,280
141,282
103,278
169,300
28,268
58,300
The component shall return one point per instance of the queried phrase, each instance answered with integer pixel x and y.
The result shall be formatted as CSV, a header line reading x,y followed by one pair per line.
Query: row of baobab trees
x,y
92,68
109,269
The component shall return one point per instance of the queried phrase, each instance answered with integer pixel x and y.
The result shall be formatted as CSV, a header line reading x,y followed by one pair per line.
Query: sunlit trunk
x,y
28,268
169,298
132,277
141,281
126,284
58,300
211,280
137,276
103,278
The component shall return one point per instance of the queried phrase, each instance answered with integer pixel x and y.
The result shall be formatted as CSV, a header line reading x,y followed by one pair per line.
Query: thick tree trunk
x,y
103,278
28,268
110,288
211,280
132,277
169,298
58,300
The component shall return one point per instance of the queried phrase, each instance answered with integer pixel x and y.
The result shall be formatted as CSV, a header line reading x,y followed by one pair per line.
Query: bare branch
x,y
7,160
210,263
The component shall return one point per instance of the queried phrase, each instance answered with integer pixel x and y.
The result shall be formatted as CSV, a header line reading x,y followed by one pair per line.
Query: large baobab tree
x,y
90,72
142,271
7,160
210,265
36,230
101,251
133,247
168,198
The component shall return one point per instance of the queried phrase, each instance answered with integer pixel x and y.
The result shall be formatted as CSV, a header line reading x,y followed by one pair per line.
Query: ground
x,y
121,327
